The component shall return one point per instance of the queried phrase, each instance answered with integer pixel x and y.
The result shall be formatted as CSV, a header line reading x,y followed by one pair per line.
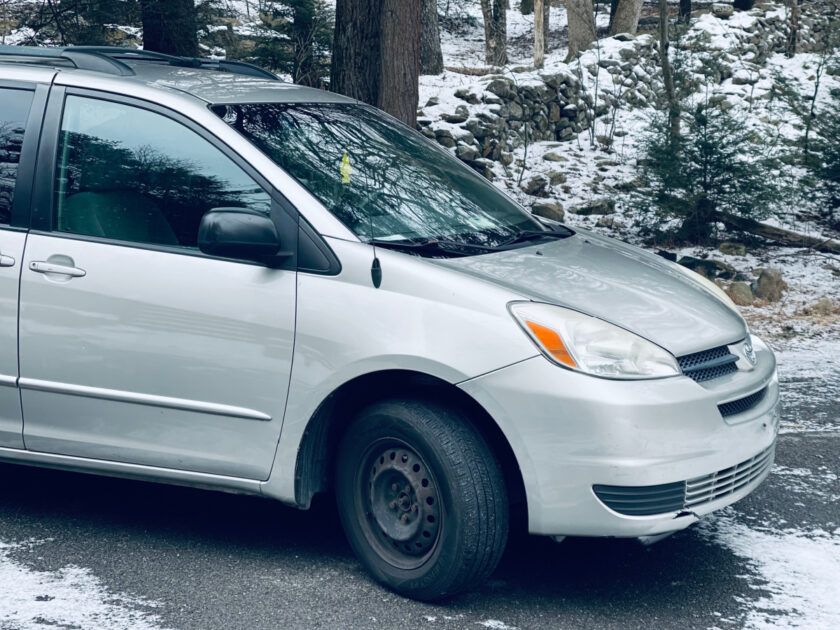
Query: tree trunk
x,y
526,7
376,54
743,5
581,25
613,8
626,18
793,33
495,31
546,21
685,11
539,33
431,57
667,76
399,89
169,27
777,235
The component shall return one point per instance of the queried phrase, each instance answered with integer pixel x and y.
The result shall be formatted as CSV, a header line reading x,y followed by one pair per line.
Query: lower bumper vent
x,y
684,495
742,404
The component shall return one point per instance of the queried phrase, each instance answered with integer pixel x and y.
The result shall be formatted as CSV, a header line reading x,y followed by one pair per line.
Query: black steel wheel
x,y
421,498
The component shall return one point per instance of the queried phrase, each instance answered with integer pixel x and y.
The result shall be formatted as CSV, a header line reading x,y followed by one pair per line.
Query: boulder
x,y
466,154
708,267
769,285
740,293
599,206
536,186
552,156
548,210
555,178
722,11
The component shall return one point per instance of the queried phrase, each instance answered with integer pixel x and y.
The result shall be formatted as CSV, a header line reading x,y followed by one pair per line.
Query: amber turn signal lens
x,y
552,343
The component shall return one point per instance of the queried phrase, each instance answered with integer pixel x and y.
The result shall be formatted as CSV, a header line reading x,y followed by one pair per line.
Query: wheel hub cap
x,y
404,501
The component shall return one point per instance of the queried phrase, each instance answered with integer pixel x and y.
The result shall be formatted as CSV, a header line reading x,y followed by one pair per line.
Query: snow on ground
x,y
71,597
795,571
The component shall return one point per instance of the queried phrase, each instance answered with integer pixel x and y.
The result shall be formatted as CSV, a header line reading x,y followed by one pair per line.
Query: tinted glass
x,y
14,110
380,178
129,174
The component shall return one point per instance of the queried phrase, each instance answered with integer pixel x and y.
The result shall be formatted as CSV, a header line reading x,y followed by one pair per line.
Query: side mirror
x,y
238,233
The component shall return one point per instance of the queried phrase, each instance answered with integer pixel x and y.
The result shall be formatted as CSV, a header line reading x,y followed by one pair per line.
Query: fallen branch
x,y
475,72
778,235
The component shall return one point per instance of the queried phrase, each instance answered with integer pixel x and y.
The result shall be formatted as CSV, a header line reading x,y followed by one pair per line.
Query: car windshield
x,y
384,181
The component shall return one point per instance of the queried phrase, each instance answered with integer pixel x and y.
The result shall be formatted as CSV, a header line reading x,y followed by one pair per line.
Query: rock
x,y
432,101
444,138
466,154
732,249
708,267
551,156
770,285
624,37
461,114
606,222
466,95
454,118
555,178
722,11
548,210
506,158
666,255
599,206
536,186
500,87
740,293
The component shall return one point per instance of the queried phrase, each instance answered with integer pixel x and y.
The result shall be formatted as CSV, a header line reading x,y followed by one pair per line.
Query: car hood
x,y
621,284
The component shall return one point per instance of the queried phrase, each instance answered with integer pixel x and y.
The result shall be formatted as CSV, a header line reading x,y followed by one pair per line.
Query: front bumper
x,y
571,433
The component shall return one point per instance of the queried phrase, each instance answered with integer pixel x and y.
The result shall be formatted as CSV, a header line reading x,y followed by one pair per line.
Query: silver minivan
x,y
214,278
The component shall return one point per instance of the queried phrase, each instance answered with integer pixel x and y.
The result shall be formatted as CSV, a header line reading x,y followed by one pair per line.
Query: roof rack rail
x,y
111,60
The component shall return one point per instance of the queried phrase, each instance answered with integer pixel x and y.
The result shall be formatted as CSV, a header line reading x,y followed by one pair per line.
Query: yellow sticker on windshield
x,y
346,170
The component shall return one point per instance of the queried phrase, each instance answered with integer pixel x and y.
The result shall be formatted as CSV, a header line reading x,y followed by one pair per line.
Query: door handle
x,y
6,261
42,266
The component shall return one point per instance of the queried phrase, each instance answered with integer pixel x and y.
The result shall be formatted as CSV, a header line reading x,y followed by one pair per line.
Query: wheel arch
x,y
314,465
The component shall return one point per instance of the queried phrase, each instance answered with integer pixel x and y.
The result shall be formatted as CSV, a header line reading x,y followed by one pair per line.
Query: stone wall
x,y
485,121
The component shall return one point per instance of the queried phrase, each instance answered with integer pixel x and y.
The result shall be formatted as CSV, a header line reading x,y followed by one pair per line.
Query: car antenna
x,y
346,170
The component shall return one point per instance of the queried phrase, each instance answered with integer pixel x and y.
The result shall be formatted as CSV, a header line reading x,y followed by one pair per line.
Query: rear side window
x,y
14,110
129,174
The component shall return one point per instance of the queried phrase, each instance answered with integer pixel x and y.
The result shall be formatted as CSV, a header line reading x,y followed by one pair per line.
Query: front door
x,y
15,106
135,346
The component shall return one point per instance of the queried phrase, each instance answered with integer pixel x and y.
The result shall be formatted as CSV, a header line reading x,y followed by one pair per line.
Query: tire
x,y
422,498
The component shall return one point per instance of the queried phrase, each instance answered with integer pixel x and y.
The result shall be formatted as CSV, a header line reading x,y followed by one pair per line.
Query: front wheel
x,y
421,498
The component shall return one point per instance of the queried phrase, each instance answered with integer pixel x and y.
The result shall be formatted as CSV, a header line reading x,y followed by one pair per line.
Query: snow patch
x,y
71,597
796,569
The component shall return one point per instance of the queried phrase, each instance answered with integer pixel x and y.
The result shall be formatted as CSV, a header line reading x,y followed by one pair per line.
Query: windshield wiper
x,y
531,235
433,246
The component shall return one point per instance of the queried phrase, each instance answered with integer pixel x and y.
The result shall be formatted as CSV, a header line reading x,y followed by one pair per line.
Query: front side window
x,y
381,179
129,174
14,110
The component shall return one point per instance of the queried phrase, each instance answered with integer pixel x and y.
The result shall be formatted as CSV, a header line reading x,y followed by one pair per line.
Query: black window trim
x,y
24,178
290,223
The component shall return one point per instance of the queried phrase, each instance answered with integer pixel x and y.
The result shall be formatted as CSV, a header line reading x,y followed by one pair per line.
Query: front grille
x,y
684,495
742,404
708,364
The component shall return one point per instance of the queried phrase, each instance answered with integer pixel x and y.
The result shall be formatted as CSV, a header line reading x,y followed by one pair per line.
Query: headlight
x,y
591,345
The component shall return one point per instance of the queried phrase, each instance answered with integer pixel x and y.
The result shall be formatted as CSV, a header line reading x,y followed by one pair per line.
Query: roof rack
x,y
111,60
